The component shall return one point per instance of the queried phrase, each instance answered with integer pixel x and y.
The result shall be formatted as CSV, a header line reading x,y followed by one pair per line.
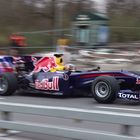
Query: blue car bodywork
x,y
70,83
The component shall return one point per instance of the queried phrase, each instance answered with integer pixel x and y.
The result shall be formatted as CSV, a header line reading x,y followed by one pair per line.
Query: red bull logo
x,y
46,85
138,81
45,64
6,67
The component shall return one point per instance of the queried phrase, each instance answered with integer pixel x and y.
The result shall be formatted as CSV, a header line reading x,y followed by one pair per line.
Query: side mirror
x,y
95,69
98,68
68,72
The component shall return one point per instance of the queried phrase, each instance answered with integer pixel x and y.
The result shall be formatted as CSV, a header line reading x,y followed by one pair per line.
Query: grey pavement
x,y
30,136
86,103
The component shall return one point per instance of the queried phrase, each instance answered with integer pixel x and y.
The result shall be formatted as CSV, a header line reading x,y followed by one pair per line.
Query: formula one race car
x,y
31,74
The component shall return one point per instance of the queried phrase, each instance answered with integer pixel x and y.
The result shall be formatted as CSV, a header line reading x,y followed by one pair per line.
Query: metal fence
x,y
46,38
118,34
114,57
124,34
126,120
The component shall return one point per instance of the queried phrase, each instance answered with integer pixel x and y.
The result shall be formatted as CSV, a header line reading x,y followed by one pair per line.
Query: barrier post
x,y
6,117
125,130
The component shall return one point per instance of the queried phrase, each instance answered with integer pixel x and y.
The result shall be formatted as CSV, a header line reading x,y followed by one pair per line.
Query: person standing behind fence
x,y
63,47
16,42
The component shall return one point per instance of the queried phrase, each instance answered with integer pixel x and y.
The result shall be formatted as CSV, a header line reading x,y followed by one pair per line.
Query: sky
x,y
100,5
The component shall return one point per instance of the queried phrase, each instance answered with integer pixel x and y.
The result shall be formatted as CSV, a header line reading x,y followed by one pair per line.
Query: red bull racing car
x,y
32,74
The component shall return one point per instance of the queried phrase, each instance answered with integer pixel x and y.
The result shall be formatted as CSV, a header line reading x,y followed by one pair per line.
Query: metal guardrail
x,y
125,119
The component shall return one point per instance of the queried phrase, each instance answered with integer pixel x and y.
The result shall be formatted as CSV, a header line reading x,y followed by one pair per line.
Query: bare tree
x,y
29,15
125,16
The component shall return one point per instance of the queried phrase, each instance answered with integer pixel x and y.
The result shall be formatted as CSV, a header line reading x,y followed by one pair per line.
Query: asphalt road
x,y
79,102
86,103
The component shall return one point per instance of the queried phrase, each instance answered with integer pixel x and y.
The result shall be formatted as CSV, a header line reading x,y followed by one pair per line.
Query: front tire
x,y
105,89
8,84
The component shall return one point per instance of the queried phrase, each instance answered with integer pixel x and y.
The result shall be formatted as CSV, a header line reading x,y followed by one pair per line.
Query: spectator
x,y
63,47
16,42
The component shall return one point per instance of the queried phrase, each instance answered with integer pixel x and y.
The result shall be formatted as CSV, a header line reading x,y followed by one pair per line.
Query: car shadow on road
x,y
41,95
118,102
127,102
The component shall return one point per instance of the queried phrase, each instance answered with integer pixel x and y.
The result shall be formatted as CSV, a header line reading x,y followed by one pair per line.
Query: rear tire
x,y
8,84
105,89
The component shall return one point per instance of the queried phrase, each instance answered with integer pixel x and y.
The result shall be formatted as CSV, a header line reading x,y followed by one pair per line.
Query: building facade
x,y
90,29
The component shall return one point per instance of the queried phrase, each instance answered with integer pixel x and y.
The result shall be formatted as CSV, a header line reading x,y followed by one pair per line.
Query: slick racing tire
x,y
105,89
8,84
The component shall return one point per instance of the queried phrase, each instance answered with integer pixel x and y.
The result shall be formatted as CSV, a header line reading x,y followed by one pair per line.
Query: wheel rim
x,y
102,89
3,85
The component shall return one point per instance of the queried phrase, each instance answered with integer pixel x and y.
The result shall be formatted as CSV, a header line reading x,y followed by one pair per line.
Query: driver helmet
x,y
70,67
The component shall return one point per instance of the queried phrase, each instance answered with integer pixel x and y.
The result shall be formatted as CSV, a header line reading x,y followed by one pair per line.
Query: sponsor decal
x,y
5,64
45,84
65,77
128,96
17,60
6,67
45,64
138,81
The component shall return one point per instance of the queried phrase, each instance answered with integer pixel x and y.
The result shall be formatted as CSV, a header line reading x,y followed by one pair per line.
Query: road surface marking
x,y
118,108
59,108
17,138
